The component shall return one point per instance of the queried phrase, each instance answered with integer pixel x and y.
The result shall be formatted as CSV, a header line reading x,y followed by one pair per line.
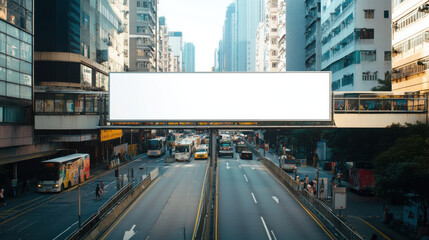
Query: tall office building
x,y
239,35
17,141
355,43
175,41
77,43
313,48
280,39
260,48
163,45
229,40
189,57
410,46
143,15
271,36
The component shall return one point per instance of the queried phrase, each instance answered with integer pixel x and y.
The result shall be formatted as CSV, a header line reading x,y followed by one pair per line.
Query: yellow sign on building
x,y
106,135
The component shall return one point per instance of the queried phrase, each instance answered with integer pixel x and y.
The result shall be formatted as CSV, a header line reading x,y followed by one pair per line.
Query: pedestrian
x,y
102,188
306,181
374,236
97,192
2,201
332,185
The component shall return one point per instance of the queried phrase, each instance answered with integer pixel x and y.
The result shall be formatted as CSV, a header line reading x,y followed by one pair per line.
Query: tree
x,y
385,85
404,167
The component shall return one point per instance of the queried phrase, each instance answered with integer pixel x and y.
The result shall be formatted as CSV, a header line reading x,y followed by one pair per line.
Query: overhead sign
x,y
217,97
106,135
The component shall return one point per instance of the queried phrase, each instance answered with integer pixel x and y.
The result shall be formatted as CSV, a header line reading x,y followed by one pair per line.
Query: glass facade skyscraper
x,y
189,57
16,61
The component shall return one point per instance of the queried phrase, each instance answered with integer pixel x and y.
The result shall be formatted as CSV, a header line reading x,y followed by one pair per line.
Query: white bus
x,y
183,150
156,147
63,172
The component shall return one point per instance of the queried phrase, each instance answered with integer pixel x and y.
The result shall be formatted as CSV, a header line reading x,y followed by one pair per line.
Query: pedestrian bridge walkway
x,y
378,109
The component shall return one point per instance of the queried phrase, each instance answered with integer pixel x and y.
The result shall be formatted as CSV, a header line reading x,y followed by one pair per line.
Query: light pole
x,y
78,187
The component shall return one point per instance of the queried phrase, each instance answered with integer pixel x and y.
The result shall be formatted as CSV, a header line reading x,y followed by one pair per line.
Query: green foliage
x,y
404,167
385,85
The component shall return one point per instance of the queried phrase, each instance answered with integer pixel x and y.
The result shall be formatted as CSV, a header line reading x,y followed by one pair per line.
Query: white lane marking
x,y
266,229
254,199
273,235
227,166
246,178
275,199
66,230
239,166
253,168
129,234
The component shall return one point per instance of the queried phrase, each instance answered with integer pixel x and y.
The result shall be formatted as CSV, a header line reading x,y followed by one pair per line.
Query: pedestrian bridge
x,y
378,109
349,110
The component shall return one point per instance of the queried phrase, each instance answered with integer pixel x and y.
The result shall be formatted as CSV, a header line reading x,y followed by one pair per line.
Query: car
x,y
246,154
201,152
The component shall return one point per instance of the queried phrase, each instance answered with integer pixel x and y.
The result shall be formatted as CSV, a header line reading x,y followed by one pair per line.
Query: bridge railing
x,y
365,103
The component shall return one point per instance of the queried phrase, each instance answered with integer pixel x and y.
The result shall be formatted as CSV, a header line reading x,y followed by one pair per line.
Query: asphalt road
x,y
167,209
57,217
253,205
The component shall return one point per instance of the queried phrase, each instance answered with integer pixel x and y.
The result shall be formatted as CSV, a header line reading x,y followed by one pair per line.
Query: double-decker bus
x,y
183,150
63,172
156,147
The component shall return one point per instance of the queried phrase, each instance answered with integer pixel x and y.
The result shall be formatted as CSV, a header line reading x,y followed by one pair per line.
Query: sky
x,y
201,23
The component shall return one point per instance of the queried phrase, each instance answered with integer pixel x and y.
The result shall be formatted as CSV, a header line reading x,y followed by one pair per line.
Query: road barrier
x,y
111,209
204,226
340,229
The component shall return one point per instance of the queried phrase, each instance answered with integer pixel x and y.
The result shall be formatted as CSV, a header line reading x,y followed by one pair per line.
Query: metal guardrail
x,y
114,199
204,218
108,206
317,207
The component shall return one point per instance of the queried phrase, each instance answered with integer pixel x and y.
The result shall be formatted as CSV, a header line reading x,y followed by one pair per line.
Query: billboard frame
x,y
261,123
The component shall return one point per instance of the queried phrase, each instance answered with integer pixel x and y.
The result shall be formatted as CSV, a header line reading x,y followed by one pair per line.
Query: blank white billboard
x,y
165,97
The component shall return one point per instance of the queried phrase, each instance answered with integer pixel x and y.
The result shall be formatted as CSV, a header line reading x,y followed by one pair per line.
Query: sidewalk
x,y
27,200
364,214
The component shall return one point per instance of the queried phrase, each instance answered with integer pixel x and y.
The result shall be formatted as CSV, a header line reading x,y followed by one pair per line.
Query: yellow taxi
x,y
201,152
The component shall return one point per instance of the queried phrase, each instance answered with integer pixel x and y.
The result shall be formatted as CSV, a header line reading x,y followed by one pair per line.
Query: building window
x,y
365,33
141,29
59,103
368,56
273,40
369,76
273,29
386,14
387,56
274,53
143,17
369,13
274,65
12,46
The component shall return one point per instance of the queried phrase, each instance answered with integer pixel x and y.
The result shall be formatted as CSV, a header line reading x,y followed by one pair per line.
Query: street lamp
x,y
78,187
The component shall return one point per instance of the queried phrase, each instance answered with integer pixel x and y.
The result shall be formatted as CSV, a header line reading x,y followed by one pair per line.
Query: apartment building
x,y
356,42
410,46
143,16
